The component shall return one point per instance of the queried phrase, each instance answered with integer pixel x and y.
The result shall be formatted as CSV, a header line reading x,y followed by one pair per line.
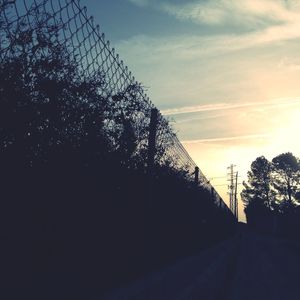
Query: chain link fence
x,y
68,25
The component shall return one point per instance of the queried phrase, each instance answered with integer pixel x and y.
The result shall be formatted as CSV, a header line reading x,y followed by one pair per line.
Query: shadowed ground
x,y
248,266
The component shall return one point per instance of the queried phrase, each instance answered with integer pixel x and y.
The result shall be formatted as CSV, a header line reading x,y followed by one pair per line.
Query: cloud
x,y
141,3
225,106
203,117
265,21
247,13
190,47
201,108
225,139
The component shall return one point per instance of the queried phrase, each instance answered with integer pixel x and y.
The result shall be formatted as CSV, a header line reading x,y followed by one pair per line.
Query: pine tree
x,y
257,192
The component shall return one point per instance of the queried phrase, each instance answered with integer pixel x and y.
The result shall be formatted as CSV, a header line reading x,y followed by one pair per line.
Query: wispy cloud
x,y
200,108
203,117
226,106
190,47
235,12
265,21
229,138
246,12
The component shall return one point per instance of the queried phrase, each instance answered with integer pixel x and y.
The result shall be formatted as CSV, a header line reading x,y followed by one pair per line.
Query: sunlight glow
x,y
287,135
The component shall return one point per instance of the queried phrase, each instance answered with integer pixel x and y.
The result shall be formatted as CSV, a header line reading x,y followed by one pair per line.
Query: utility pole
x,y
235,197
232,190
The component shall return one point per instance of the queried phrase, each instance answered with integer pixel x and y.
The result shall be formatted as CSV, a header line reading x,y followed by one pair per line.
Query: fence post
x,y
152,140
221,201
196,175
151,249
212,191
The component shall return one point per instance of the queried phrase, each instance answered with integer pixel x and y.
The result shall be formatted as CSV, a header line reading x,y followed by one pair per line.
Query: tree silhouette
x,y
272,192
258,191
45,106
286,179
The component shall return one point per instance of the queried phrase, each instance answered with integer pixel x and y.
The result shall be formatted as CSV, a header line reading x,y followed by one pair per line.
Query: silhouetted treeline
x,y
272,197
79,211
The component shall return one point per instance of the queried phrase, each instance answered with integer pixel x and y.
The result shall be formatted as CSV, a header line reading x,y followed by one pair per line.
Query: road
x,y
248,266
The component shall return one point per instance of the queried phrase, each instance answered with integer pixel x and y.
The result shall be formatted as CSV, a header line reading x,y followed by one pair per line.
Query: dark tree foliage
x,y
271,196
287,178
45,107
75,190
258,189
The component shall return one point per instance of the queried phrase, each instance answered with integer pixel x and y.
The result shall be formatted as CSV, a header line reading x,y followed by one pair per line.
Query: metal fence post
x,y
152,140
212,191
196,175
151,243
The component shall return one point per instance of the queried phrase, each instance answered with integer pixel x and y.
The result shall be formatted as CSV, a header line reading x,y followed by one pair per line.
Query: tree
x,y
45,105
273,185
258,191
286,178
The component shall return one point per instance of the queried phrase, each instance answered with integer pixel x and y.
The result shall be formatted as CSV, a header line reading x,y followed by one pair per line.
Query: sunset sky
x,y
226,73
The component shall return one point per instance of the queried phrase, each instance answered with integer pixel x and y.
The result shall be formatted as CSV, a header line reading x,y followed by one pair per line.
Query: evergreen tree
x,y
273,185
286,179
258,192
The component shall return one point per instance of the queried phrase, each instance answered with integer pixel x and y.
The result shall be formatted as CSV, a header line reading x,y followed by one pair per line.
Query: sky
x,y
226,74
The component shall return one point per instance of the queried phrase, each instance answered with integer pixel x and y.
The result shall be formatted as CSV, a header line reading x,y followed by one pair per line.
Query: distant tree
x,y
273,185
257,192
286,179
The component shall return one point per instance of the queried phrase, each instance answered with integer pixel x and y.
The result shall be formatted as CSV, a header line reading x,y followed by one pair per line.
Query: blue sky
x,y
225,72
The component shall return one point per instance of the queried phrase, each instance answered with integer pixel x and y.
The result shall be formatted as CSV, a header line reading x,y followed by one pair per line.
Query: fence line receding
x,y
87,46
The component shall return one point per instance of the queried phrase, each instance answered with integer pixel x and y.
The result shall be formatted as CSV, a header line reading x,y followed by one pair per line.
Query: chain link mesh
x,y
93,55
